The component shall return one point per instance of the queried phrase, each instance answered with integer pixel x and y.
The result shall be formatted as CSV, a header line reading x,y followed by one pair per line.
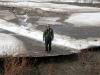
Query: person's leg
x,y
46,46
49,45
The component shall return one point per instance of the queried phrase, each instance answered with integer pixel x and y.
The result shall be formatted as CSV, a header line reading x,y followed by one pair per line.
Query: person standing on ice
x,y
48,37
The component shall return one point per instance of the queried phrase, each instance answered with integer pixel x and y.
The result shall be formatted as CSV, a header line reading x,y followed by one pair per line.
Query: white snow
x,y
11,46
49,20
60,40
51,6
81,1
84,19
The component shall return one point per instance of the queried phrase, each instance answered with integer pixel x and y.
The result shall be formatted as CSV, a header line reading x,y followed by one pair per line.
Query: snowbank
x,y
84,19
11,46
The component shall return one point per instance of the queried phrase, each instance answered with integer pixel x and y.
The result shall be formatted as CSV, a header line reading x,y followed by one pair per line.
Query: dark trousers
x,y
48,45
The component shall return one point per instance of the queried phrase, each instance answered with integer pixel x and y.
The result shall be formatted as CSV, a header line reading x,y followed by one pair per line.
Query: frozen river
x,y
72,32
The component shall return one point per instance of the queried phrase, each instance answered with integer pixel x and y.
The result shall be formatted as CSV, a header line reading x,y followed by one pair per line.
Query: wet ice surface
x,y
69,38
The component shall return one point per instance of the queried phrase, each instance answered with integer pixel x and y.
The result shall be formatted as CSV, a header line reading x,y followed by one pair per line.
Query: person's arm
x,y
43,35
52,34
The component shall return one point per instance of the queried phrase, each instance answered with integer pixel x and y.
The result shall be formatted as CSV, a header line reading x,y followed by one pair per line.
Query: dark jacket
x,y
48,34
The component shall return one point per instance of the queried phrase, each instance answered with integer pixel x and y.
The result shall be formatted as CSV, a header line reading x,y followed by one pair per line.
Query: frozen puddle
x,y
66,42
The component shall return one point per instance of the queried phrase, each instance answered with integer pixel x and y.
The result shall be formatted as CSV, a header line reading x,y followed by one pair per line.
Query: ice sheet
x,y
60,40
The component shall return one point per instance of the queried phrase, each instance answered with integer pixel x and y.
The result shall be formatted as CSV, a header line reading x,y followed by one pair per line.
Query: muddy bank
x,y
30,65
85,63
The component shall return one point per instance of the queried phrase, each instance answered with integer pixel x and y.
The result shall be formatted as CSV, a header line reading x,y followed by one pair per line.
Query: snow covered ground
x,y
49,20
84,19
60,40
52,7
65,29
81,1
11,46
